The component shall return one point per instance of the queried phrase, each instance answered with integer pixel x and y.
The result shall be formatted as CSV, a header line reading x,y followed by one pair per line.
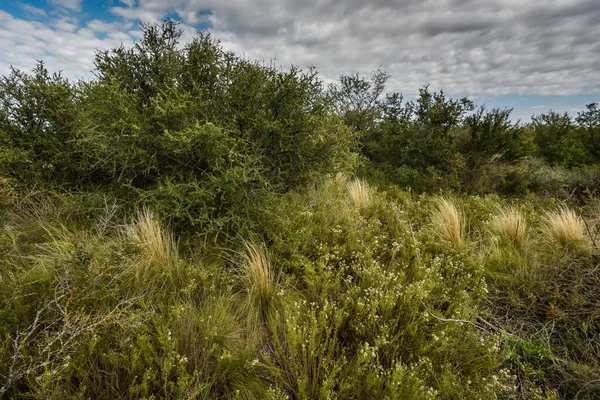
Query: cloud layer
x,y
496,47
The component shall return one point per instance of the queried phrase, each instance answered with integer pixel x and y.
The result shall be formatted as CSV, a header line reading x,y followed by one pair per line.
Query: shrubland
x,y
193,224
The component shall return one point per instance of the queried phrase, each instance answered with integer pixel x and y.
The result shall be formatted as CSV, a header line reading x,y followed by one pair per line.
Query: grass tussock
x,y
157,248
448,222
258,277
198,329
511,225
565,227
340,179
360,193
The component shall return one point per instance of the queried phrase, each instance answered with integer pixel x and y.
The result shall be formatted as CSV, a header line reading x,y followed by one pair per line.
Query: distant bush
x,y
531,175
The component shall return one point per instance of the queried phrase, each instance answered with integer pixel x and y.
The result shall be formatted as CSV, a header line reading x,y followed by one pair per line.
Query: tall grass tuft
x,y
566,228
340,179
260,286
157,247
448,222
511,225
360,193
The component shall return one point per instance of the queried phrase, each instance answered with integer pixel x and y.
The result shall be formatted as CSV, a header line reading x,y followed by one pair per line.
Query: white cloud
x,y
62,45
527,47
32,10
64,25
74,5
108,27
492,47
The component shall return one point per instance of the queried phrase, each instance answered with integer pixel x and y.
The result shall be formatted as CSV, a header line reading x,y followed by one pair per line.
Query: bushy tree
x,y
557,141
38,118
490,137
413,143
356,99
194,126
589,126
437,113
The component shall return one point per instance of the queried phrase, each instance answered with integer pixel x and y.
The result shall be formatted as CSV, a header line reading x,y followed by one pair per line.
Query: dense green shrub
x,y
38,119
557,140
197,126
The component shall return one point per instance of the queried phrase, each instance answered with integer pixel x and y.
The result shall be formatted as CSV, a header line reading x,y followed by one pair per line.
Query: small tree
x,y
556,139
438,113
491,137
589,125
38,119
151,65
356,99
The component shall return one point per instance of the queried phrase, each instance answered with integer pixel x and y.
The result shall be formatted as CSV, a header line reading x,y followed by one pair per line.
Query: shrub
x,y
38,120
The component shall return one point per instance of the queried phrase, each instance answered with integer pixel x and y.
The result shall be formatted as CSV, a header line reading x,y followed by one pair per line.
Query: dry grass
x,y
158,248
260,300
360,193
566,228
510,224
340,179
258,273
448,222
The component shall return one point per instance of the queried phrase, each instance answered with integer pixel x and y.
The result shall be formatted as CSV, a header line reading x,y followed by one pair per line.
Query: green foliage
x,y
589,128
343,294
196,125
37,120
491,138
356,99
557,140
189,225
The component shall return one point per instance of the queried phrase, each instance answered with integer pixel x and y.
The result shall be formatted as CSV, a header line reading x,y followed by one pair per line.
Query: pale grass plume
x,y
340,179
360,193
566,228
260,301
510,224
59,246
259,275
157,246
448,221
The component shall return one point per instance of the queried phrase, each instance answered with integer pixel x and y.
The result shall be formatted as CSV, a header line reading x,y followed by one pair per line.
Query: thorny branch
x,y
70,327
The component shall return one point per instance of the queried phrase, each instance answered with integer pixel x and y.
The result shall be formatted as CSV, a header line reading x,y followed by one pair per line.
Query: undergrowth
x,y
401,296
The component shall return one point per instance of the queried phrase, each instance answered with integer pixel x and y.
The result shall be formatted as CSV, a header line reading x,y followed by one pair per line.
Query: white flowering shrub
x,y
388,312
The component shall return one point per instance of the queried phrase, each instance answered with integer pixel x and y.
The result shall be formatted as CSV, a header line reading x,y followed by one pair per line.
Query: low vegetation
x,y
192,224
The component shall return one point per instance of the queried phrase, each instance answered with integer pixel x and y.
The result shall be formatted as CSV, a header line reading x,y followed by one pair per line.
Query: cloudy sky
x,y
530,55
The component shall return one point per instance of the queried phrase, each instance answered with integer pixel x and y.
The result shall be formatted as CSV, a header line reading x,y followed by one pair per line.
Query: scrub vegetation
x,y
192,224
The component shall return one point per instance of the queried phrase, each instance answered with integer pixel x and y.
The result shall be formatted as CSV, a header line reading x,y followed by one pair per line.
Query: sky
x,y
529,55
